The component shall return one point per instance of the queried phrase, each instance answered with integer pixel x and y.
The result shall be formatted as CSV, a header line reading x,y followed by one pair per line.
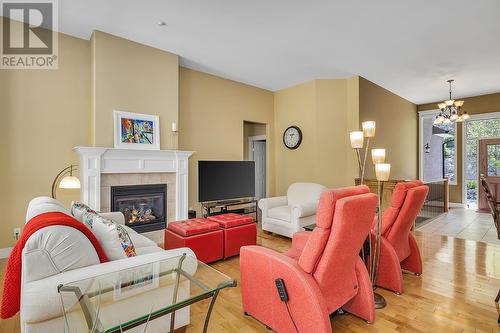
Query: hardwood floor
x,y
455,293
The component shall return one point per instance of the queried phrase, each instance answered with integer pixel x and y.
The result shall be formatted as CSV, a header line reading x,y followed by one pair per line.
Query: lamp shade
x,y
382,171
441,106
69,182
378,156
356,139
368,128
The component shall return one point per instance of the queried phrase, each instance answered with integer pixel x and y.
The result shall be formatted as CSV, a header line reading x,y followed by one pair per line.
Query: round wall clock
x,y
292,137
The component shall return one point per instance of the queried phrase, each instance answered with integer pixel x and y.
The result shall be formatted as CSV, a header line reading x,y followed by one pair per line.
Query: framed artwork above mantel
x,y
136,130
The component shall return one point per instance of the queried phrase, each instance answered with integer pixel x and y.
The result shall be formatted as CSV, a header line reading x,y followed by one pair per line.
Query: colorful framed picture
x,y
136,130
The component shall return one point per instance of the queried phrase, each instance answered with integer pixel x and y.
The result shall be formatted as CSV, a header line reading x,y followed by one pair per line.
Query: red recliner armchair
x,y
399,249
322,272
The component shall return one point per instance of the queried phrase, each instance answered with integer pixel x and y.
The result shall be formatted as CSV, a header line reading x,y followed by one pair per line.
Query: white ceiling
x,y
408,47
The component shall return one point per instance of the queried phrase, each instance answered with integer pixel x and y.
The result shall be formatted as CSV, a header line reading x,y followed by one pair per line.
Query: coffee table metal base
x,y
93,323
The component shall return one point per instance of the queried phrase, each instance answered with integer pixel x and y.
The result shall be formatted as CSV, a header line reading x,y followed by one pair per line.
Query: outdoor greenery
x,y
471,190
493,154
472,184
489,128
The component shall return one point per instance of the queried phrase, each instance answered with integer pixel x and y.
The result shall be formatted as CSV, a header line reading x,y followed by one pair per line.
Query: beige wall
x,y
129,76
51,111
212,112
325,112
396,129
294,106
45,113
473,105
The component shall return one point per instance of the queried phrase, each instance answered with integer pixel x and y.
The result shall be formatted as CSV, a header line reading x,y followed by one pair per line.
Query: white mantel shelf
x,y
95,161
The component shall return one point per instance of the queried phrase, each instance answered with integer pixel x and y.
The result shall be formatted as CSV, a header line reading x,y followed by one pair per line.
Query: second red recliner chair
x,y
399,249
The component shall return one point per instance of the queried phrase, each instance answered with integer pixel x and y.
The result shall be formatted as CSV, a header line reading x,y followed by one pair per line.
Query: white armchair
x,y
288,214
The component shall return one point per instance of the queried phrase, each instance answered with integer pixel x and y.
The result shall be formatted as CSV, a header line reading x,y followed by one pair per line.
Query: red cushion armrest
x,y
299,240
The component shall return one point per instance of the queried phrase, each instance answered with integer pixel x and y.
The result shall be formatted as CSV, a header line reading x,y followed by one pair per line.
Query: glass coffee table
x,y
135,296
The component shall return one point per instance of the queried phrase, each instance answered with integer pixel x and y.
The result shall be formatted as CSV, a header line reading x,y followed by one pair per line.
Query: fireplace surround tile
x,y
110,179
131,179
152,178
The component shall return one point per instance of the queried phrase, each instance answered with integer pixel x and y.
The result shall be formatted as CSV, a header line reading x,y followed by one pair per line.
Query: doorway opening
x,y
477,131
255,149
437,149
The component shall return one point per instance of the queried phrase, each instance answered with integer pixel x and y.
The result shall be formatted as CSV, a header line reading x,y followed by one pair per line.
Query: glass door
x,y
476,129
489,166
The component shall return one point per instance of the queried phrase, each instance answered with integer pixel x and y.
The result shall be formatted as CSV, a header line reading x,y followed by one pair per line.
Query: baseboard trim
x,y
5,252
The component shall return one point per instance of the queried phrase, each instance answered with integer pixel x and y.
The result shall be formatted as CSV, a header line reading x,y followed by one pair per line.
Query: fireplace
x,y
144,206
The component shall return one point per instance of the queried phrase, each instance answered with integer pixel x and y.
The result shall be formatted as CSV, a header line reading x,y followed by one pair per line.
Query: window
x,y
474,131
449,153
437,149
493,156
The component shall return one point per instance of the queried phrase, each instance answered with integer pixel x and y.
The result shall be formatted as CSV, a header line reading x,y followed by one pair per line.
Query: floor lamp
x,y
65,179
357,143
382,172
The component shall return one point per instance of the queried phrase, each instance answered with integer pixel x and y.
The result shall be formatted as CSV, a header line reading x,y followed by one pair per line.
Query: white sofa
x,y
58,254
288,214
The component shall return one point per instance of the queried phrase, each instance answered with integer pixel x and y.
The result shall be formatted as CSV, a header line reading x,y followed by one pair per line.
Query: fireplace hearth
x,y
144,206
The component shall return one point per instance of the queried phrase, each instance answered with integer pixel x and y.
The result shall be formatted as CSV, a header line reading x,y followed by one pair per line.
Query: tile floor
x,y
463,223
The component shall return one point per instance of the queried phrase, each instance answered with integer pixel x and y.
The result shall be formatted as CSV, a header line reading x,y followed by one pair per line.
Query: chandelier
x,y
451,110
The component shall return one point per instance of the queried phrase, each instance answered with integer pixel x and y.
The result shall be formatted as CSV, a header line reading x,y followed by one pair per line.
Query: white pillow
x,y
114,238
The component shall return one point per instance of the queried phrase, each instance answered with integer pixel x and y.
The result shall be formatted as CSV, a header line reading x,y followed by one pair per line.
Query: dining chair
x,y
495,211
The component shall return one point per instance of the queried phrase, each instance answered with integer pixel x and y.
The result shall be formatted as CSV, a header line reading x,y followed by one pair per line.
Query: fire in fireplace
x,y
144,206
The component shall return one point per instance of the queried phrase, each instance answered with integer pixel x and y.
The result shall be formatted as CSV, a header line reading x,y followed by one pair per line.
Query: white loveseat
x,y
57,255
288,214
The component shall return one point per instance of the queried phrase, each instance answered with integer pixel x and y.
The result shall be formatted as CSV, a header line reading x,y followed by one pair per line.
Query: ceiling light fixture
x,y
451,110
161,23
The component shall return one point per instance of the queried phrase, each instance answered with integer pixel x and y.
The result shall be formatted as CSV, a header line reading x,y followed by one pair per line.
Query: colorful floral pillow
x,y
113,237
83,213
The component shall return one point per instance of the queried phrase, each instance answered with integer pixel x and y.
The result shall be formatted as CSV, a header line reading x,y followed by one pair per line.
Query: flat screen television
x,y
225,180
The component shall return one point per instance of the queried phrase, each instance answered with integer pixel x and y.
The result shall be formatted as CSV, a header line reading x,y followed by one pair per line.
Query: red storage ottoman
x,y
202,236
239,230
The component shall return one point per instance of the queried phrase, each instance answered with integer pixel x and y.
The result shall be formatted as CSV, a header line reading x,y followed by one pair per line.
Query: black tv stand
x,y
246,206
227,202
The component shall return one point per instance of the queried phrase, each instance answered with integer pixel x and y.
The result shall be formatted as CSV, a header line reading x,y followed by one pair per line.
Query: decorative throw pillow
x,y
113,237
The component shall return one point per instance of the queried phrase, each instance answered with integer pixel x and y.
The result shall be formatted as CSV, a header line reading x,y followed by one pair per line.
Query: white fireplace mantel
x,y
95,161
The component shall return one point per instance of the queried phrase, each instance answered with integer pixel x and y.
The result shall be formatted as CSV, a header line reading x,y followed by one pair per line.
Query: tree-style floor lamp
x,y
382,171
65,179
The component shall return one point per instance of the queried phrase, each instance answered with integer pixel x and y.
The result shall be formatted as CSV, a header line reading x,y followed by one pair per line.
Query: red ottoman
x,y
239,230
202,236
